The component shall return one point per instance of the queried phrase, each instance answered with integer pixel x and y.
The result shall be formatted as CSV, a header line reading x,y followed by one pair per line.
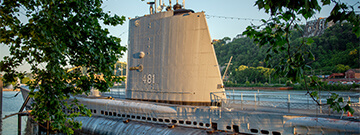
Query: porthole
x,y
161,120
119,115
94,111
143,118
154,119
174,121
228,127
195,123
148,118
181,121
201,124
167,120
133,116
110,113
276,133
137,117
207,125
188,122
264,132
254,130
114,113
102,112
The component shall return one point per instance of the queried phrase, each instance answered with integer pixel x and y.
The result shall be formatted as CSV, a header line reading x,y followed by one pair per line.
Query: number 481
x,y
150,78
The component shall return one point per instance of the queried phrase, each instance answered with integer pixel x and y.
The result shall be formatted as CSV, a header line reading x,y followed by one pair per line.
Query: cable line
x,y
233,18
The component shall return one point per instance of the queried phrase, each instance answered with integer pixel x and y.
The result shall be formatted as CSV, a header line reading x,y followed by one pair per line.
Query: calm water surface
x,y
12,105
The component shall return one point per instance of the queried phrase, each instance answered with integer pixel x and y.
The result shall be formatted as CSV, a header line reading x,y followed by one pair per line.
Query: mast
x,y
155,7
227,68
183,4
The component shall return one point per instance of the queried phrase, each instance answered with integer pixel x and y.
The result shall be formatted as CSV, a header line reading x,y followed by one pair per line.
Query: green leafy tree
x,y
54,35
342,68
275,34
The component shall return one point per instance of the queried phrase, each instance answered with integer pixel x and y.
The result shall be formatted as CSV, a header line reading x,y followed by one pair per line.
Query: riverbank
x,y
259,88
4,89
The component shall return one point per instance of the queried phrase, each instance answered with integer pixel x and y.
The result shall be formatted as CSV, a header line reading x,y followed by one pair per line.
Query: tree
x,y
342,68
55,35
275,35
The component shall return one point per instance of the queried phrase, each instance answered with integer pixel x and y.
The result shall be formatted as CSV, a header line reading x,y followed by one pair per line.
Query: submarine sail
x,y
171,59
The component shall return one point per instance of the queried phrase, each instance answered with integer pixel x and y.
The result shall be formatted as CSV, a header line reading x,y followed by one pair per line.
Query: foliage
x,y
252,74
54,35
275,33
25,80
342,68
6,83
328,53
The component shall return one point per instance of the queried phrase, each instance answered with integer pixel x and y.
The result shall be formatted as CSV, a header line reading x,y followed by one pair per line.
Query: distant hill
x,y
335,49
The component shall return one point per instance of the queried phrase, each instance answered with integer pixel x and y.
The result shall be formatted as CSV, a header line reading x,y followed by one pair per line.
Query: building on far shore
x,y
351,75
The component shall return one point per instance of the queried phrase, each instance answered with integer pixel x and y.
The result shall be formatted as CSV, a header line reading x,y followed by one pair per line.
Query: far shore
x,y
4,89
259,88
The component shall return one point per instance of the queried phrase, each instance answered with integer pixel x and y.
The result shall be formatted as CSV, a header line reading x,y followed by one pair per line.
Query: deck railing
x,y
280,101
284,102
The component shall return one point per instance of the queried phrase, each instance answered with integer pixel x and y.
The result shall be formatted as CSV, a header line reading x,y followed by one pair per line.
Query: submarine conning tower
x,y
171,59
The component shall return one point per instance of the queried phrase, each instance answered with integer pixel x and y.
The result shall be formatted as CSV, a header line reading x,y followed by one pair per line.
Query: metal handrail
x,y
283,102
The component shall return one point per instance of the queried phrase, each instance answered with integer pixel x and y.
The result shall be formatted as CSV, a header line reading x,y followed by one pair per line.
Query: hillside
x,y
335,51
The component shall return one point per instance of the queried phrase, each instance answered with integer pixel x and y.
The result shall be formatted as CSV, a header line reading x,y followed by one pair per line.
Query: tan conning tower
x,y
171,59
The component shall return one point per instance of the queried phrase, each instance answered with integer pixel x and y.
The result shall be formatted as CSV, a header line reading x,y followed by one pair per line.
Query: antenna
x,y
168,7
151,7
161,6
155,6
183,4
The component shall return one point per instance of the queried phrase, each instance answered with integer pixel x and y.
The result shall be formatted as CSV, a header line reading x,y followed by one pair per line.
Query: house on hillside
x,y
352,73
337,75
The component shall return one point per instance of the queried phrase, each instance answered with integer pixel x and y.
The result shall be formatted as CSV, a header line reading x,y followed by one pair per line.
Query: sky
x,y
218,27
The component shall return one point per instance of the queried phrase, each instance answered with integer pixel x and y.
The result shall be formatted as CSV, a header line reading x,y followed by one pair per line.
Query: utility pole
x,y
269,79
279,81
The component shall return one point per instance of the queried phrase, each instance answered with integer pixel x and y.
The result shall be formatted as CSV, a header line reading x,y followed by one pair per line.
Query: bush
x,y
266,84
288,83
247,83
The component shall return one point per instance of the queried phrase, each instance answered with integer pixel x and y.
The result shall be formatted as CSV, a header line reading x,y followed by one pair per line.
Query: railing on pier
x,y
283,102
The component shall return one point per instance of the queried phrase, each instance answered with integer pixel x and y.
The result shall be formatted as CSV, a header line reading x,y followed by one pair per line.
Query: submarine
x,y
174,86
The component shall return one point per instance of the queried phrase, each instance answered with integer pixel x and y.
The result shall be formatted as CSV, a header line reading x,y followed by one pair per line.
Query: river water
x,y
12,105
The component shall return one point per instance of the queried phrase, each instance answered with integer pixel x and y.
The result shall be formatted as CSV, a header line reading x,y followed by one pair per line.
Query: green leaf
x,y
325,2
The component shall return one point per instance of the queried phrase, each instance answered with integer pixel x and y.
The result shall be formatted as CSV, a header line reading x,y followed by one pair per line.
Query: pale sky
x,y
219,28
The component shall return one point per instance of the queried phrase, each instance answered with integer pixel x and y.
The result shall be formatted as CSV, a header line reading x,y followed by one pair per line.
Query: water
x,y
12,105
